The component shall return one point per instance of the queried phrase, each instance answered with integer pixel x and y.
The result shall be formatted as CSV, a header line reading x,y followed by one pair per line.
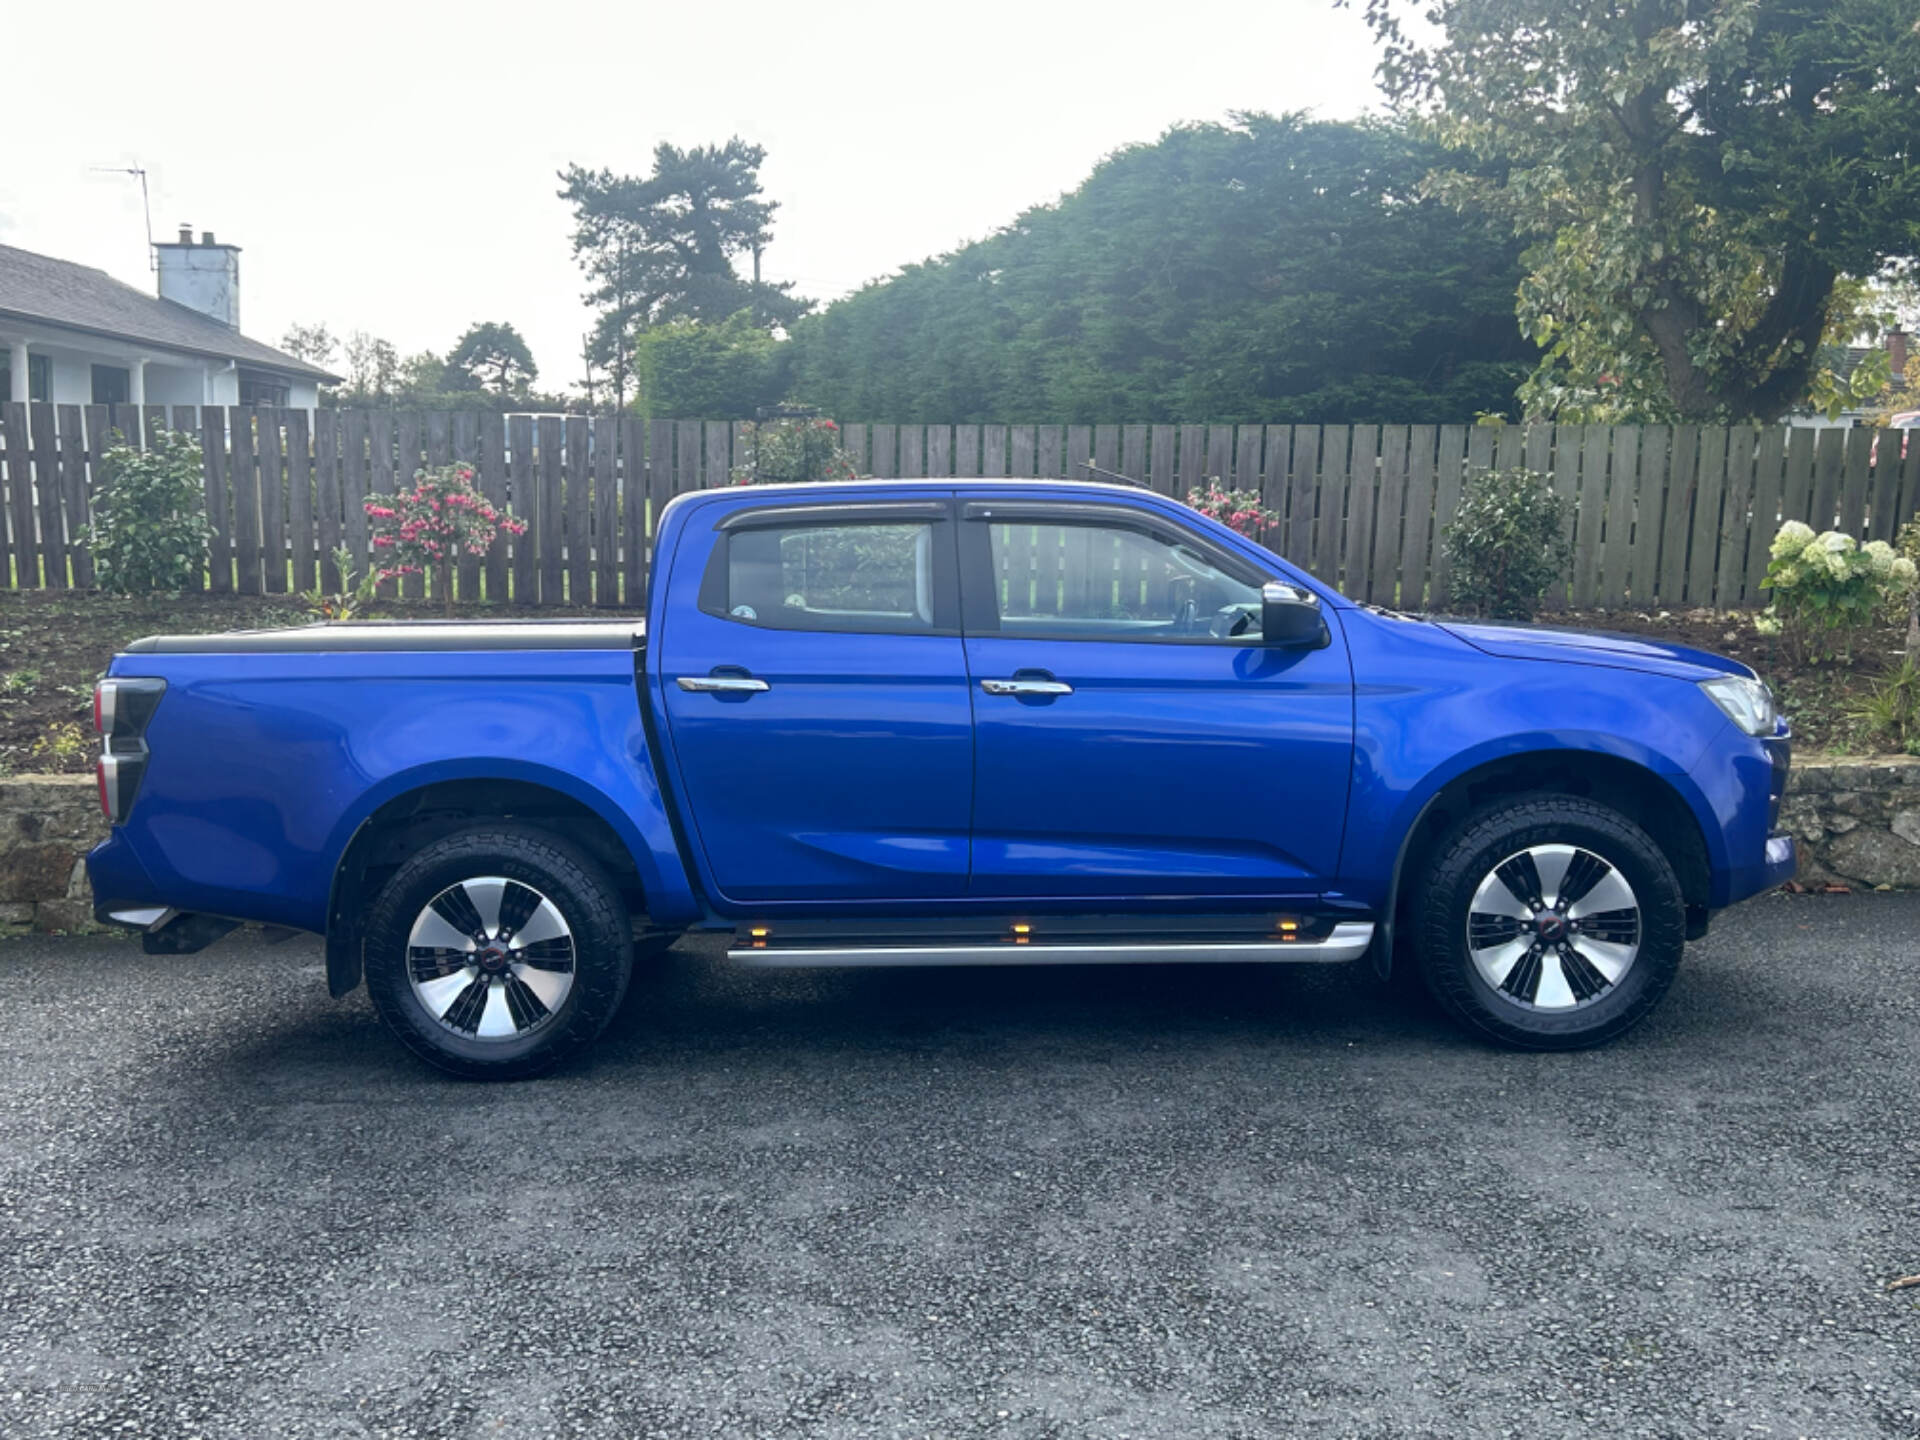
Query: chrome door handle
x,y
1026,687
722,684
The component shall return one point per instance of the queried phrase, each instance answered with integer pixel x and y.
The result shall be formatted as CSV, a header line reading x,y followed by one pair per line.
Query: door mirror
x,y
1290,616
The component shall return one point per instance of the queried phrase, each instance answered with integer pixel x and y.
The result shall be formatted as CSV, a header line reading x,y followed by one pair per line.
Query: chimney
x,y
1897,353
203,277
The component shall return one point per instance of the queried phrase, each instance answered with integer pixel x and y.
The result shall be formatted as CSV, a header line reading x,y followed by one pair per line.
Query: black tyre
x,y
1549,922
498,951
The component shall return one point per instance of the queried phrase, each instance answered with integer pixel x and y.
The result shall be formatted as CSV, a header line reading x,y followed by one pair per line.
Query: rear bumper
x,y
125,895
122,889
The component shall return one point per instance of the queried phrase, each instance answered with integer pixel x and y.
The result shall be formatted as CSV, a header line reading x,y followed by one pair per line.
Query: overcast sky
x,y
391,167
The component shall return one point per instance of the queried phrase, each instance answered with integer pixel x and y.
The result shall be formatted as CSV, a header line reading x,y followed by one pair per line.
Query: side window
x,y
873,577
111,385
1113,582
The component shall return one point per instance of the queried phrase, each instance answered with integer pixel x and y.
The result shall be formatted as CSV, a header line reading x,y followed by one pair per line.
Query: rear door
x,y
1132,736
816,694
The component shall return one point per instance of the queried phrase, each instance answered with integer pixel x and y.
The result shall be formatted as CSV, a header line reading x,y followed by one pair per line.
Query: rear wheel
x,y
497,951
1550,922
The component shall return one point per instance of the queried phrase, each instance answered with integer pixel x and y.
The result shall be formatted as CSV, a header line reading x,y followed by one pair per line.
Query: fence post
x,y
1623,483
1422,456
326,496
273,502
1704,534
213,453
300,501
1731,568
13,428
1362,468
633,511
606,510
524,487
466,452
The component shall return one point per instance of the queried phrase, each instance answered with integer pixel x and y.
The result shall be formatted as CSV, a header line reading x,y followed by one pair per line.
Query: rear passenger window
x,y
837,576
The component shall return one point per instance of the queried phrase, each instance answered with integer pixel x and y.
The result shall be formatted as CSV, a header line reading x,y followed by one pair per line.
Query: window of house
x,y
1114,582
39,377
112,385
259,388
873,577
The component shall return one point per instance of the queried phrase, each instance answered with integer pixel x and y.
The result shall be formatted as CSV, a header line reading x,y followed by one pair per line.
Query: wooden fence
x,y
1659,515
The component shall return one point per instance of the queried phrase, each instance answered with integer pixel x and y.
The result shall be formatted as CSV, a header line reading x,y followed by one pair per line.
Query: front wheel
x,y
1550,922
497,951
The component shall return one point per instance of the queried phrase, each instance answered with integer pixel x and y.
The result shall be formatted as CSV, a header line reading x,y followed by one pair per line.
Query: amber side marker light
x,y
1022,934
1289,929
758,935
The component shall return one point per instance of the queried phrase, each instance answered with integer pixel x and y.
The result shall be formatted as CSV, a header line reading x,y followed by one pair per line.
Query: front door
x,y
1131,735
816,692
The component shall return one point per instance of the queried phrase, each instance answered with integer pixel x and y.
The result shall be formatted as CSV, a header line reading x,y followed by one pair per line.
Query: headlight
x,y
1748,703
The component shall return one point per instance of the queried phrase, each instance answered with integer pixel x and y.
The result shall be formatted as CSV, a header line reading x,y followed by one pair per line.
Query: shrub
x,y
1507,543
62,743
1892,711
421,529
1907,546
774,452
149,529
1828,589
355,594
1239,510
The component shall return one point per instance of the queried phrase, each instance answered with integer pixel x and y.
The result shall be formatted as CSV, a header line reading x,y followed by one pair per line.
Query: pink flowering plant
x,y
774,452
1238,510
422,529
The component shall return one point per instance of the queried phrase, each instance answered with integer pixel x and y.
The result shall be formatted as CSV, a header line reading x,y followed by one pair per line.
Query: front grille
x,y
1780,752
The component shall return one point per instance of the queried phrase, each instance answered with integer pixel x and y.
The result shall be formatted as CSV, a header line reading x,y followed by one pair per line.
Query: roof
x,y
78,297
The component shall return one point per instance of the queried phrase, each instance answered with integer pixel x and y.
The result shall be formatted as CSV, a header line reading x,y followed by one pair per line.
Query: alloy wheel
x,y
1553,927
491,958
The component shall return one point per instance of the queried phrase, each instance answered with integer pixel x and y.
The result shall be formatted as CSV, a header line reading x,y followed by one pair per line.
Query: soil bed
x,y
54,646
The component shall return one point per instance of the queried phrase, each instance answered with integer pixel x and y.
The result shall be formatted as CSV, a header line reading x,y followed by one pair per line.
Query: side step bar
x,y
1348,940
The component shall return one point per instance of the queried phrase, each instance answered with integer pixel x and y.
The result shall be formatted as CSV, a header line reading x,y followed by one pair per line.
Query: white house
x,y
76,336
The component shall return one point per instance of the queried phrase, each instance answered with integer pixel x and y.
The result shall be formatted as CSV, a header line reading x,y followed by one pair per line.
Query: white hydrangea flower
x,y
1879,555
1792,538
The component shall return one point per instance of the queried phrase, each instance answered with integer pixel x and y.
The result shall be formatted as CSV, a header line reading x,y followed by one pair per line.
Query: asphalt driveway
x,y
1084,1202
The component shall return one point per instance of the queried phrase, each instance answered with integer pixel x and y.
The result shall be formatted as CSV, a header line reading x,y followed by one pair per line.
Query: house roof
x,y
78,297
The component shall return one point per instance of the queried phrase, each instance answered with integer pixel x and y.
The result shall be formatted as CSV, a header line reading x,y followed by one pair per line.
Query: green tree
x,y
373,371
689,370
493,356
1698,178
1273,269
666,246
312,343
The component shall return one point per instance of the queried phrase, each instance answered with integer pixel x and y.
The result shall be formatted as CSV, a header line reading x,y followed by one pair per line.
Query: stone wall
x,y
47,825
1858,823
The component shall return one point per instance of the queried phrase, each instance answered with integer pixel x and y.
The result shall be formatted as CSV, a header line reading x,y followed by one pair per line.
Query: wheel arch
x,y
409,816
1651,799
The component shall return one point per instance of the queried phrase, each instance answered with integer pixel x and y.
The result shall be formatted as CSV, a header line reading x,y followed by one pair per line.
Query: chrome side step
x,y
1347,941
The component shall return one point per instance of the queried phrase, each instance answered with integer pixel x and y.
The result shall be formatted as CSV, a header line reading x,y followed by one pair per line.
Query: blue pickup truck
x,y
941,723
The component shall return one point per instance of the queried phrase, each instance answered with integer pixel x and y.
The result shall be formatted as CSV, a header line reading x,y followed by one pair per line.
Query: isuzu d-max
x,y
941,723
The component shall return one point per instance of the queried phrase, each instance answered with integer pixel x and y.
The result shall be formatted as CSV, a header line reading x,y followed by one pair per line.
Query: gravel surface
x,y
1082,1202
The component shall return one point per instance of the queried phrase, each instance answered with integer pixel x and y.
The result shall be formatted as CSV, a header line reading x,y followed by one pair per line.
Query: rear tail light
x,y
122,710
